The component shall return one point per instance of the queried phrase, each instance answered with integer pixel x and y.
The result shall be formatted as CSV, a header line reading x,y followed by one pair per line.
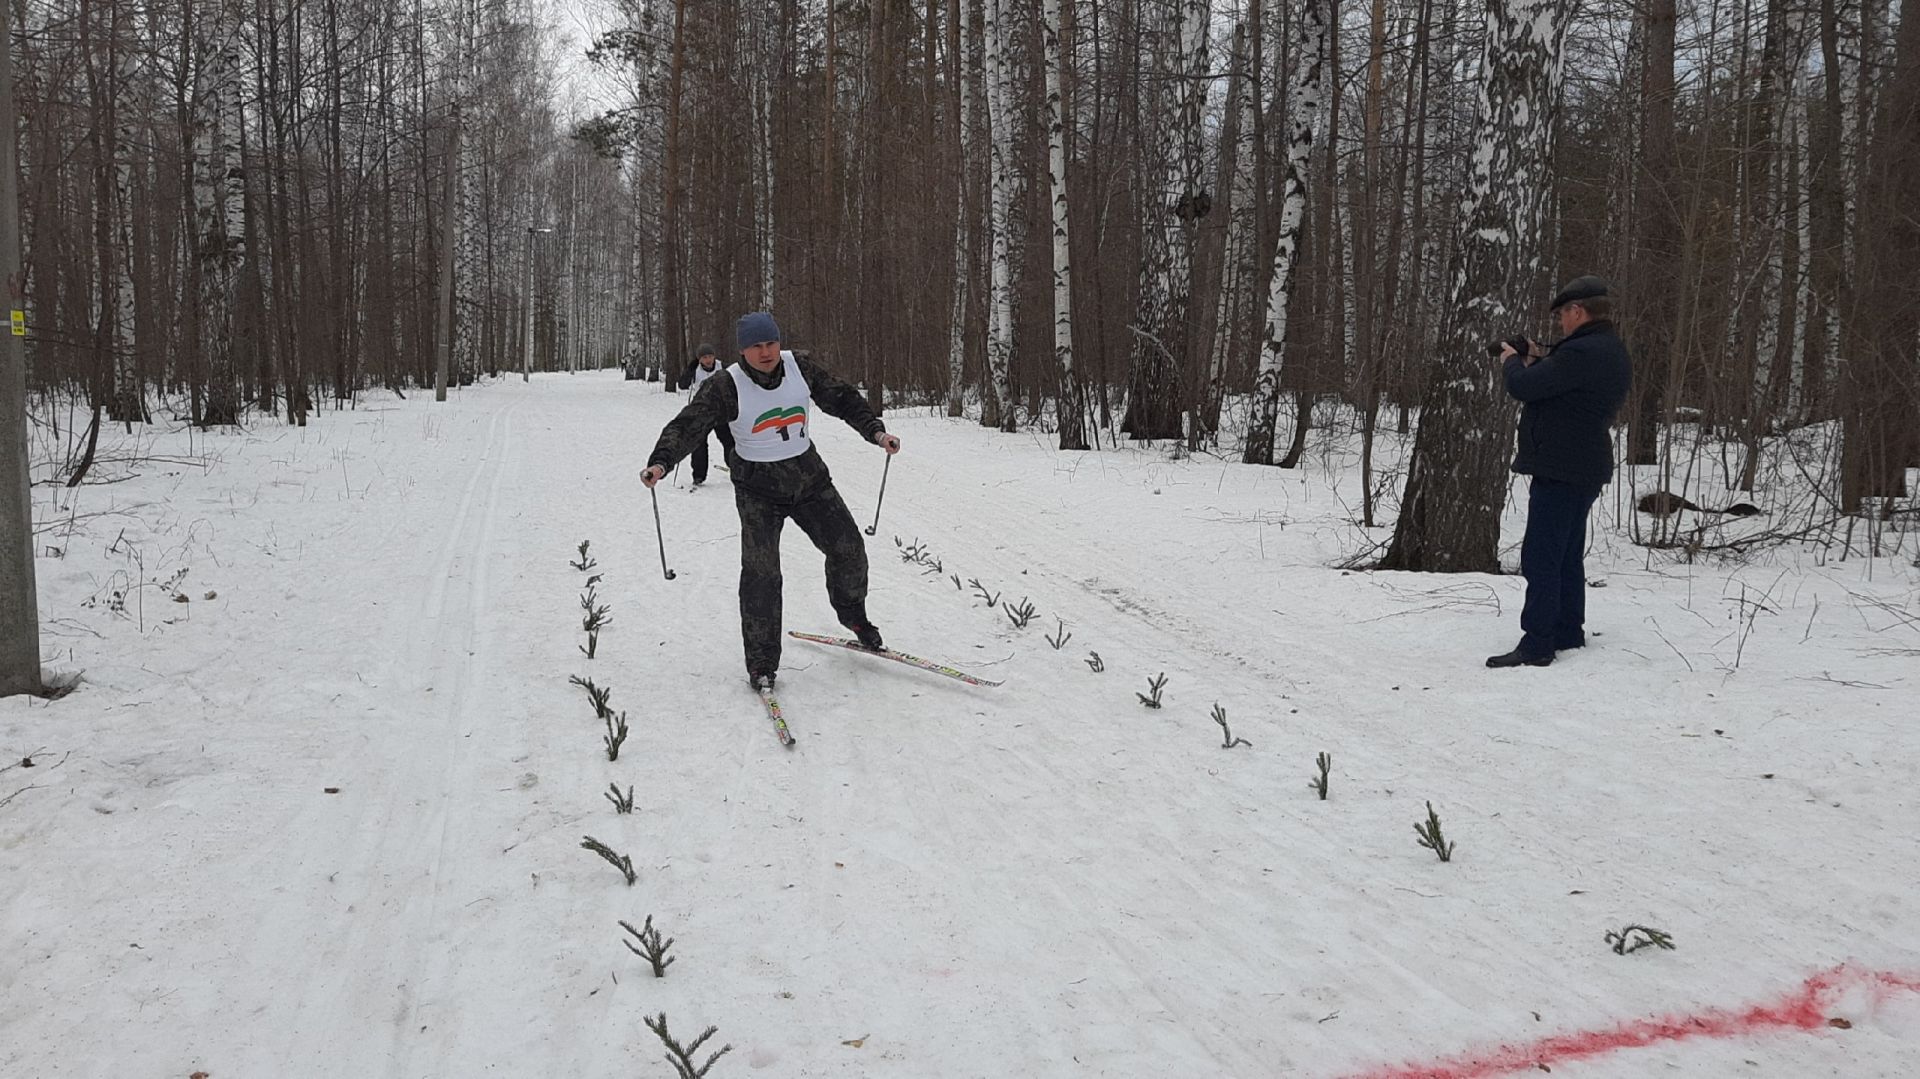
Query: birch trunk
x,y
1456,485
1310,44
1073,433
998,410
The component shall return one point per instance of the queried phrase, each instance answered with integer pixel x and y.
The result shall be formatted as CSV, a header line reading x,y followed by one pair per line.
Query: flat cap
x,y
1580,288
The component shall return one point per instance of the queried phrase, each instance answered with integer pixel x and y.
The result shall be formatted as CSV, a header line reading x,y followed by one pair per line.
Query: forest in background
x,y
1212,223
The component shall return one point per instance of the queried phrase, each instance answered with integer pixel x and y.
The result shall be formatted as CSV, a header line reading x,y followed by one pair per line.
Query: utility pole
x,y
19,600
526,363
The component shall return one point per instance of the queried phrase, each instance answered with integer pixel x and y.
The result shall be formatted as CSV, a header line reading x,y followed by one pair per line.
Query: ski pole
x,y
657,535
884,469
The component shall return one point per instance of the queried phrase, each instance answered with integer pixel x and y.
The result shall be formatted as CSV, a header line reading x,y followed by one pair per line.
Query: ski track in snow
x,y
1039,879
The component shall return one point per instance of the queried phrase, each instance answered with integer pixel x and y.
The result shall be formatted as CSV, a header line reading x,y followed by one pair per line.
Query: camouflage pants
x,y
825,520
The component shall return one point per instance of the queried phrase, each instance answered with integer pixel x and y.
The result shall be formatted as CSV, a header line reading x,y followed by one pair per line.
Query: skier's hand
x,y
890,443
651,475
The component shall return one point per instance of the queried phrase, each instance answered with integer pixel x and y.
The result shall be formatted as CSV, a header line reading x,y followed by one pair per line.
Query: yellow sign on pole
x,y
19,323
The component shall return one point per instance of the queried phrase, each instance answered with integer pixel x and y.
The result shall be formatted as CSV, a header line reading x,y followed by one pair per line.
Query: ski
x,y
773,712
896,656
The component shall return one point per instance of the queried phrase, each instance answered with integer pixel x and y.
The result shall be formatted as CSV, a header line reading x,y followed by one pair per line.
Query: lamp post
x,y
526,361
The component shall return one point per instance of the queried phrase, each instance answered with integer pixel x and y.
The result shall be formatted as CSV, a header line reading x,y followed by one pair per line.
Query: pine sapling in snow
x,y
616,734
586,561
1227,740
1059,637
992,598
652,948
1319,782
682,1058
622,803
918,554
1020,615
957,586
1154,685
595,695
597,615
1431,838
1094,663
1635,937
619,861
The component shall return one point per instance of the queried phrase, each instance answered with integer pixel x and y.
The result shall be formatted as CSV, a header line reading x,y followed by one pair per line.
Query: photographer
x,y
1570,393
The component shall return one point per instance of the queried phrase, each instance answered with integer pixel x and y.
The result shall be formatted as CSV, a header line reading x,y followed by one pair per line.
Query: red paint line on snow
x,y
1806,1008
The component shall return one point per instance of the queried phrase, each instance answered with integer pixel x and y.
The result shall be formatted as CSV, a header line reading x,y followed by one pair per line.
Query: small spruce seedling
x,y
1431,838
1635,937
598,615
1059,637
1227,740
586,561
1319,782
619,861
1020,615
992,598
616,734
1154,686
595,695
622,803
1094,663
682,1058
651,947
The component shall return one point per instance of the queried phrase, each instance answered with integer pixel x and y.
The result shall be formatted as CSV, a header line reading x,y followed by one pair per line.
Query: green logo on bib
x,y
779,419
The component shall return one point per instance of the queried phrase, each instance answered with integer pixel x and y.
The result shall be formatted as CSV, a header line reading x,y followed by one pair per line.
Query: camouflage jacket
x,y
796,479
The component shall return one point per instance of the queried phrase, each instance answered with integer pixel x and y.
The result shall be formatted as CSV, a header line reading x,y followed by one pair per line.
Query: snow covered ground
x,y
322,817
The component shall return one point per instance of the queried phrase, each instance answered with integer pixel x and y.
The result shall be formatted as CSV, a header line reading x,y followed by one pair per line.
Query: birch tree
x,y
1160,345
1310,43
1456,484
1073,435
998,407
220,203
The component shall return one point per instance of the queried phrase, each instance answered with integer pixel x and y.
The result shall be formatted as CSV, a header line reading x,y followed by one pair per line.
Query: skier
x,y
704,365
778,474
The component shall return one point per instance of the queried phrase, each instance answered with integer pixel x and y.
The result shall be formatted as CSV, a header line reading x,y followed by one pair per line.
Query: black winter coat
x,y
1570,397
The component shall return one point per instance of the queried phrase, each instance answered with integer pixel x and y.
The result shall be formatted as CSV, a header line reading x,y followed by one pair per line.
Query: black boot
x,y
761,679
1517,658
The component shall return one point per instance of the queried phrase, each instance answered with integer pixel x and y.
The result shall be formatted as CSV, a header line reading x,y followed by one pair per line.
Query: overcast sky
x,y
573,24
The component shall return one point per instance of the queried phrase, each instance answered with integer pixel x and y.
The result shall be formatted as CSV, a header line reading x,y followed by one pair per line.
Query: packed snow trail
x,y
1042,879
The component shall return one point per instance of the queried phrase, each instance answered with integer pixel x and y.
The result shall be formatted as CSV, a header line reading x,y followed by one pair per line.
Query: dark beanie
x,y
1580,288
703,349
755,328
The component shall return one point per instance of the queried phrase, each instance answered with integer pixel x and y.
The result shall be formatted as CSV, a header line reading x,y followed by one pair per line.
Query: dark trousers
x,y
700,461
1552,558
825,520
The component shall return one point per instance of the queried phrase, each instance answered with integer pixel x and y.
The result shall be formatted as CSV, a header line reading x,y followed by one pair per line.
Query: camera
x,y
1518,341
